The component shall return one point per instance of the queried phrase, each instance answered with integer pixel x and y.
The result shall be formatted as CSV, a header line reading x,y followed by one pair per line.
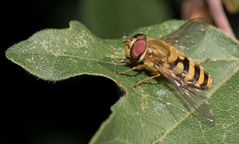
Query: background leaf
x,y
111,19
152,113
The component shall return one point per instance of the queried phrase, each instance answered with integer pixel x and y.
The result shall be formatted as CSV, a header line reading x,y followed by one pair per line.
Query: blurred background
x,y
69,112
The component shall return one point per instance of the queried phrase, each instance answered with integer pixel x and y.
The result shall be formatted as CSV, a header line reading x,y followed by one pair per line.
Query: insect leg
x,y
145,79
193,84
201,61
138,67
121,62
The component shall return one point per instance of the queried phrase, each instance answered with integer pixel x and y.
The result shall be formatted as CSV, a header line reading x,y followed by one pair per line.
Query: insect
x,y
160,56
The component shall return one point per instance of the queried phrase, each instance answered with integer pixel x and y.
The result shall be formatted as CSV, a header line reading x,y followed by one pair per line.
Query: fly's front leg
x,y
138,67
121,61
146,79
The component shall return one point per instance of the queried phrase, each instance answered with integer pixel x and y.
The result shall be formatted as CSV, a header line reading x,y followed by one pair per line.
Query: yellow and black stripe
x,y
190,72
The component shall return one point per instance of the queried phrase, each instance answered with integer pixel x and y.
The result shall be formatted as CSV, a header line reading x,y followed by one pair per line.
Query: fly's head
x,y
135,48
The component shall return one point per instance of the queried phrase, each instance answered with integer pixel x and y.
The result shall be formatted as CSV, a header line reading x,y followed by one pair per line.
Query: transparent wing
x,y
193,97
188,35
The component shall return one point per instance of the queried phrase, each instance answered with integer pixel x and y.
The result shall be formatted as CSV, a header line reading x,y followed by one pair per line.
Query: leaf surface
x,y
151,113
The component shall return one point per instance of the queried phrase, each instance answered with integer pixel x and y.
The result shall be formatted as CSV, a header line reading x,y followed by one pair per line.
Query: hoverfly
x,y
160,56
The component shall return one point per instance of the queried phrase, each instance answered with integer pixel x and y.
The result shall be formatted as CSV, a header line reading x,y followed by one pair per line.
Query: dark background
x,y
70,111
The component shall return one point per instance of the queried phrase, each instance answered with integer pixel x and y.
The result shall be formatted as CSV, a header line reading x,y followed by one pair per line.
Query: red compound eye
x,y
138,49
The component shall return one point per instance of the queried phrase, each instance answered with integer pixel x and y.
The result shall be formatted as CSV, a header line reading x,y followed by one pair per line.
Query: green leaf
x,y
151,113
107,18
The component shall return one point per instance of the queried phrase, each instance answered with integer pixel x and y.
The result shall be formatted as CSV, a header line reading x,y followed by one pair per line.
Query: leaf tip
x,y
75,25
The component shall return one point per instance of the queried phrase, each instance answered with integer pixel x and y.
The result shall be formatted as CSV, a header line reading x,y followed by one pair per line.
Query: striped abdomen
x,y
191,73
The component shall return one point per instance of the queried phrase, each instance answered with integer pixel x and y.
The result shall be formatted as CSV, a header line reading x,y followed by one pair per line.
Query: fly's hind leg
x,y
146,79
201,61
194,84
